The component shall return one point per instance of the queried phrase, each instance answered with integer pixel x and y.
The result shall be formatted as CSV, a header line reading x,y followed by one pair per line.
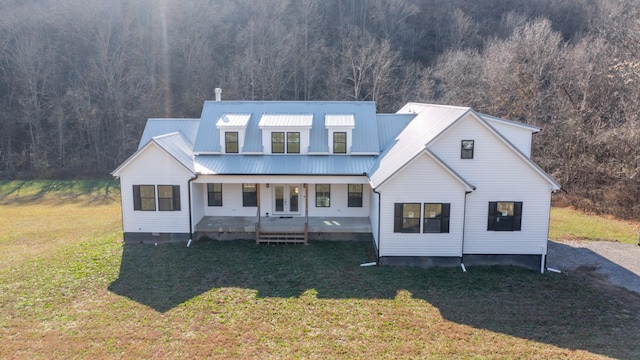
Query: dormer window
x,y
231,142
340,127
232,129
466,151
340,142
287,133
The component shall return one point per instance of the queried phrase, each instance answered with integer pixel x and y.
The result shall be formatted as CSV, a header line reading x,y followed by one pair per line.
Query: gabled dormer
x,y
232,128
286,133
340,127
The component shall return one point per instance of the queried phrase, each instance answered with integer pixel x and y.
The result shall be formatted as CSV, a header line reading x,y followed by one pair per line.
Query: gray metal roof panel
x,y
157,127
390,125
364,136
283,164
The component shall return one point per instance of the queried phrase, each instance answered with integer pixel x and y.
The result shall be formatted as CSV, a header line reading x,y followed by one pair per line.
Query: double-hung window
x,y
406,218
505,216
466,149
323,195
231,142
249,195
354,195
144,197
169,197
277,142
436,218
339,142
293,143
214,194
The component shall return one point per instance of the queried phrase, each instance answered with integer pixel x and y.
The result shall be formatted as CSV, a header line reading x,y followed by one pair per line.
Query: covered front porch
x,y
317,228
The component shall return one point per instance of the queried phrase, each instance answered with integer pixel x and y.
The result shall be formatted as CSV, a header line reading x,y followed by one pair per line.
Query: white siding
x,y
374,199
422,181
498,174
231,202
518,136
154,167
339,202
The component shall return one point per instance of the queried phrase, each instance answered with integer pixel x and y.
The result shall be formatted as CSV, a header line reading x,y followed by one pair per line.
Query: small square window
x,y
467,149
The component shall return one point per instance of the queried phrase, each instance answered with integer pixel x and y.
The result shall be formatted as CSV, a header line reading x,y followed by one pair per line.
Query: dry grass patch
x,y
570,224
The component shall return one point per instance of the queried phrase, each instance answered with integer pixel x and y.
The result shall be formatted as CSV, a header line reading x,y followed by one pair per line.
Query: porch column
x,y
259,217
306,213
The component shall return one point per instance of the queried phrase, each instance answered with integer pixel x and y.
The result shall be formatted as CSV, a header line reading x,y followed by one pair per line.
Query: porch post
x,y
259,218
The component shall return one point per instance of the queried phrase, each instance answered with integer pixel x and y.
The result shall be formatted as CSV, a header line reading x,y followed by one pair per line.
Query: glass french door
x,y
286,199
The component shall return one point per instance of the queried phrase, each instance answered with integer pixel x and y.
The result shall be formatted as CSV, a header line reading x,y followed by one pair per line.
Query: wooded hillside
x,y
78,79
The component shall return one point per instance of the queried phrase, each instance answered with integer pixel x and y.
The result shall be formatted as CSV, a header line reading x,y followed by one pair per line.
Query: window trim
x,y
493,218
211,194
249,198
337,142
443,217
399,219
137,198
227,142
466,152
325,194
358,194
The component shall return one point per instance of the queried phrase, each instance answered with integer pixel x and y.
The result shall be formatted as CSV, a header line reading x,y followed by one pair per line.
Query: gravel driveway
x,y
617,262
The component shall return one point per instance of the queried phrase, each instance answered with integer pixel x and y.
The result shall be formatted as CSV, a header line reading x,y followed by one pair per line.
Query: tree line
x,y
78,79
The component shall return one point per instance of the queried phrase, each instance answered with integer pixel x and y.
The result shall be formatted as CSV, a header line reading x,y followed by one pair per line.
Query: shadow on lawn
x,y
91,192
558,309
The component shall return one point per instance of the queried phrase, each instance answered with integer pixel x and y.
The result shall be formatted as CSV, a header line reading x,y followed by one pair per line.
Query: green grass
x,y
569,224
83,293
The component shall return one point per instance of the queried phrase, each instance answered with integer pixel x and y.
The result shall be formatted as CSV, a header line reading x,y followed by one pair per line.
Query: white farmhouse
x,y
430,185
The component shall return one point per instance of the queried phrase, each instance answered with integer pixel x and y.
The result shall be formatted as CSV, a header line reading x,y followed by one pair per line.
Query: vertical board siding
x,y
422,181
498,174
154,167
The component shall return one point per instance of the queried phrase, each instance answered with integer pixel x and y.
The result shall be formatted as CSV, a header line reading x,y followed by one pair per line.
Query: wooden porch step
x,y
281,238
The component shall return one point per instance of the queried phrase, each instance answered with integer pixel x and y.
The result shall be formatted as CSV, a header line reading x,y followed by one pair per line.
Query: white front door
x,y
286,199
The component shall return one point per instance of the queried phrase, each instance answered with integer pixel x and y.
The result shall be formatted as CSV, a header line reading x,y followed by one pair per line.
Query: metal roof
x,y
390,125
510,122
175,144
283,164
286,120
156,127
364,134
339,120
430,121
233,120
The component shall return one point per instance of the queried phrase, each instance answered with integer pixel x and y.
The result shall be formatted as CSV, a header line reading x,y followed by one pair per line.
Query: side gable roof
x,y
390,125
429,122
174,144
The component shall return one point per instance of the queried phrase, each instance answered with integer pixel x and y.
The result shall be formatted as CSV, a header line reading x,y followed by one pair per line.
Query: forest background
x,y
79,78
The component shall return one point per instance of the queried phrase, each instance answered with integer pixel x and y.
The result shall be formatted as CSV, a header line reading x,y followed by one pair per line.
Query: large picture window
x,y
505,216
249,195
169,197
144,197
407,218
355,195
323,195
339,142
231,142
214,194
436,218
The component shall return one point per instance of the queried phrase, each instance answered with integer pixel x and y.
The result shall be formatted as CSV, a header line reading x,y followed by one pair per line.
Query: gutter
x,y
379,209
190,212
464,223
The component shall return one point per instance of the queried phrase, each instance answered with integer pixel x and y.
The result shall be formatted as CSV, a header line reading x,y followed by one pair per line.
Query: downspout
x,y
379,220
464,225
190,212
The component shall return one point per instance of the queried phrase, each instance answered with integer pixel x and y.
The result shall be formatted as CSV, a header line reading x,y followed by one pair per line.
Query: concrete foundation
x,y
526,261
152,238
420,261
